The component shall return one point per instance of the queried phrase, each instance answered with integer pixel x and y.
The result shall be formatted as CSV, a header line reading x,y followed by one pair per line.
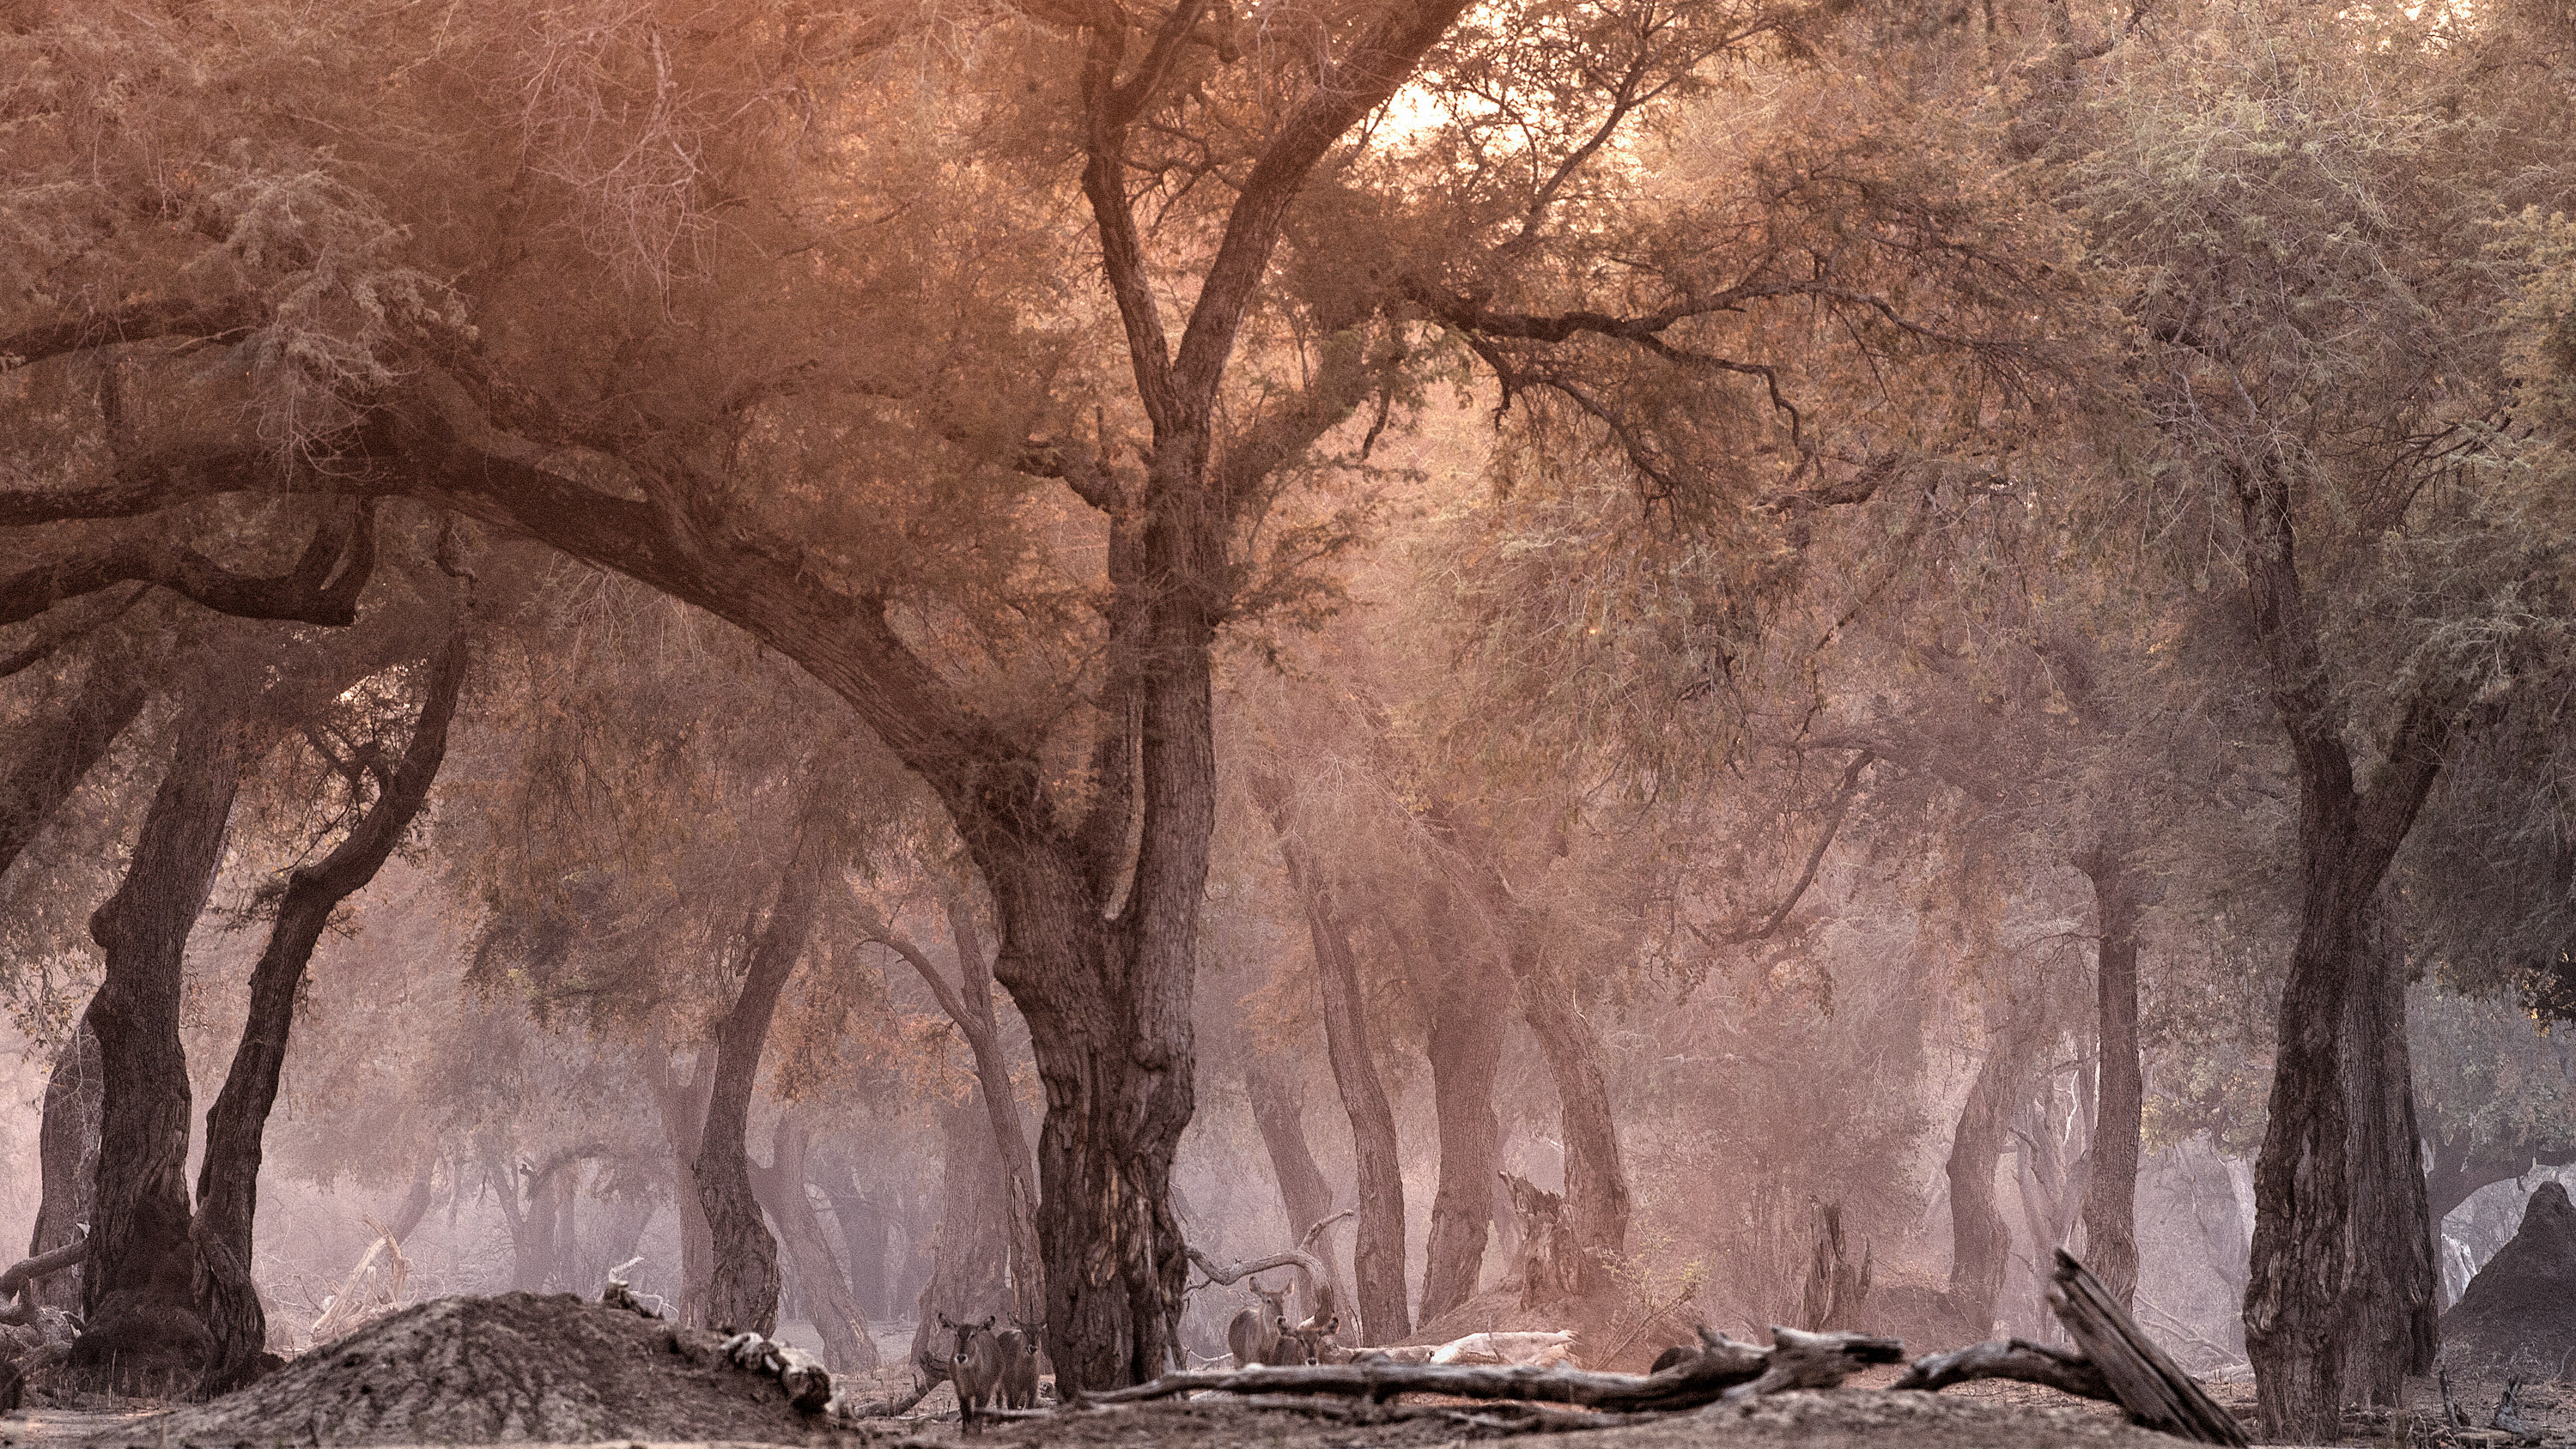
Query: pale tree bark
x,y
1458,986
969,1005
1596,1180
681,1104
67,1156
139,1292
967,1271
1377,1258
1980,1239
863,1237
228,1178
742,1281
2336,1301
781,1187
2110,1202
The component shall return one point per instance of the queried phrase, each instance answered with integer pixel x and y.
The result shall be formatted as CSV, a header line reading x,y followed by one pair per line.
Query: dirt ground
x,y
524,1369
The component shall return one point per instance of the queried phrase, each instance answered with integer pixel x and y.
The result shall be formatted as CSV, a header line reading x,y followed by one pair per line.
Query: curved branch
x,y
1844,794
322,587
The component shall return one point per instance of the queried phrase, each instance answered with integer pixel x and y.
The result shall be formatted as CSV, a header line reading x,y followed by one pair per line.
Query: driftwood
x,y
808,1386
2146,1382
1797,1360
2016,1358
2508,1413
43,1265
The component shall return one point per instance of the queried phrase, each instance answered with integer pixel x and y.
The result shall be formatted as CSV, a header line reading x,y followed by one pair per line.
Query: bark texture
x,y
1278,1100
52,751
2111,1190
67,1154
742,1284
2333,1295
140,1292
228,1178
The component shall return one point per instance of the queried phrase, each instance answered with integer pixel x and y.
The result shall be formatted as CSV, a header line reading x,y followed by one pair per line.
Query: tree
x,y
679,359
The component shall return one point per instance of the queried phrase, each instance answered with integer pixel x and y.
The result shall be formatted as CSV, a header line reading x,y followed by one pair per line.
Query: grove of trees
x,y
1599,631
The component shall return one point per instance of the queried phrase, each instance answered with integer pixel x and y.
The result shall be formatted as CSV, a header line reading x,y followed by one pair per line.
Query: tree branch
x,y
322,587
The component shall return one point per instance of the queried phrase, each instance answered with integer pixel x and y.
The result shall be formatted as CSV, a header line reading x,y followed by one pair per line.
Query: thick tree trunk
x,y
2110,1201
742,1286
681,1103
1980,1240
2330,1293
967,1272
143,1316
1466,1050
847,1347
228,1179
2392,1225
1596,1182
67,1155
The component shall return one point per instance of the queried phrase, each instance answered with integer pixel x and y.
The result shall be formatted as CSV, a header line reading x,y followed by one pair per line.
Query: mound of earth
x,y
2523,1302
517,1367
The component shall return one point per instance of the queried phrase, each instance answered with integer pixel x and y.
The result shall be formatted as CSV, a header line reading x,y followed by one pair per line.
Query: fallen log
x,y
2143,1379
1796,1360
2017,1359
43,1265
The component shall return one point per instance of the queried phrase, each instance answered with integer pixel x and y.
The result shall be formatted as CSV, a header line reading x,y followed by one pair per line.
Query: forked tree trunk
x,y
742,1285
1279,1112
143,1320
1460,988
1596,1181
228,1179
681,1103
847,1347
1980,1240
1377,1257
67,1155
2111,1193
2336,1302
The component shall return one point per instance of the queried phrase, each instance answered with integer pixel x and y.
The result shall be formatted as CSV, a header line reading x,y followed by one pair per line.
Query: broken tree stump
x,y
2146,1382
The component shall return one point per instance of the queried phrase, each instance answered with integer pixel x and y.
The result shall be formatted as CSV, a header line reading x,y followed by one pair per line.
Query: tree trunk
x,y
970,1006
1980,1240
1279,1112
406,1216
1466,1050
863,1239
2111,1194
742,1286
847,1346
51,753
67,1154
143,1318
681,1103
228,1179
2330,1293
1377,1257
2392,1256
966,1272
1596,1183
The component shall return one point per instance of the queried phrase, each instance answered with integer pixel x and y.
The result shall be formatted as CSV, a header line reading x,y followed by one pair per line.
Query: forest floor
x,y
529,1370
